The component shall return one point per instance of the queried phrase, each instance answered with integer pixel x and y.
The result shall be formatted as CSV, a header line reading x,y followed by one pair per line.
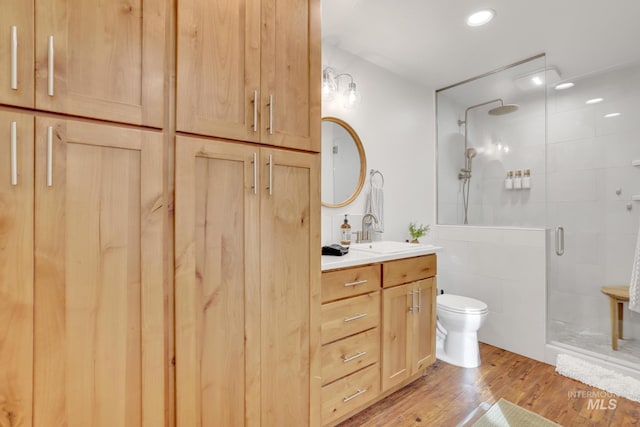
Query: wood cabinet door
x,y
290,74
423,328
219,68
16,53
101,59
396,328
217,289
290,280
16,268
100,331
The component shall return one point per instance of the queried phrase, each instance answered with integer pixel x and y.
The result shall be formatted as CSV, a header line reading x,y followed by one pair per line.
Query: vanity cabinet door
x,y
423,343
397,324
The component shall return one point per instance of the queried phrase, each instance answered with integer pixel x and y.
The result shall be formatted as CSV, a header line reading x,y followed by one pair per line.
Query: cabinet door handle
x,y
50,156
356,317
14,153
413,300
559,241
51,67
419,300
255,173
359,282
255,111
270,115
354,395
14,57
346,359
270,187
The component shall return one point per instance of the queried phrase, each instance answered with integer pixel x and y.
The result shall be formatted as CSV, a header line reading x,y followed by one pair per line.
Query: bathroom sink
x,y
388,247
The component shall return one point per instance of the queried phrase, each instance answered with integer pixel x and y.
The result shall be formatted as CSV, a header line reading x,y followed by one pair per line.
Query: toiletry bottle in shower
x,y
517,181
345,232
526,179
508,181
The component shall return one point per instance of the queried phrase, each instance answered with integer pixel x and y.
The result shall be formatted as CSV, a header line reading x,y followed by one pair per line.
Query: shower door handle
x,y
559,241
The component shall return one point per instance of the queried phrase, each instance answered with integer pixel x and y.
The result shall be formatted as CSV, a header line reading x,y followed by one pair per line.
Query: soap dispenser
x,y
345,232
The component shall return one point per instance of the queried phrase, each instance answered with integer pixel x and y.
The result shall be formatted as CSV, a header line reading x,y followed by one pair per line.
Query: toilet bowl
x,y
459,319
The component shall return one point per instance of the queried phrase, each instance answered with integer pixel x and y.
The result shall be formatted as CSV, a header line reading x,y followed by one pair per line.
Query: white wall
x,y
395,121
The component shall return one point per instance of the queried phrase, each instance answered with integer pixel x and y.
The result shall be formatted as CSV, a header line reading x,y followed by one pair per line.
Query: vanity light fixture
x,y
331,86
593,101
480,17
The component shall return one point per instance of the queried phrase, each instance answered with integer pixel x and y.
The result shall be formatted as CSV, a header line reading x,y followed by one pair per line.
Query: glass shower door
x,y
591,143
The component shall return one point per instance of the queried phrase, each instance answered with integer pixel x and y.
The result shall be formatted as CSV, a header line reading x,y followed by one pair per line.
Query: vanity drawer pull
x,y
354,395
359,282
354,357
356,317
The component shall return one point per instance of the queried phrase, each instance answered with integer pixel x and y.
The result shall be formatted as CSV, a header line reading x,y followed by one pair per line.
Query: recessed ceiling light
x,y
608,116
480,17
594,101
563,86
537,80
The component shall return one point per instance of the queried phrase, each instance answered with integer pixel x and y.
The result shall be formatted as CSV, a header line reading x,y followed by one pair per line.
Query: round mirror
x,y
343,163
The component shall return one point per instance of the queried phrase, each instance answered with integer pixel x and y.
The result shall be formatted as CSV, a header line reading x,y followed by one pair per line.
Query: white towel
x,y
375,205
634,286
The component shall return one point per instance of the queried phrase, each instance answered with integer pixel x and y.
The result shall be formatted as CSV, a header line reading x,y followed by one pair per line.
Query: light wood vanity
x,y
378,329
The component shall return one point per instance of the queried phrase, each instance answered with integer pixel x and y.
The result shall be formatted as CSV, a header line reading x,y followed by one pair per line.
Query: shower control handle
x,y
559,241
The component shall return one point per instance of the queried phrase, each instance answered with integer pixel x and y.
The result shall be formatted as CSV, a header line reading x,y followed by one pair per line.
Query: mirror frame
x,y
363,162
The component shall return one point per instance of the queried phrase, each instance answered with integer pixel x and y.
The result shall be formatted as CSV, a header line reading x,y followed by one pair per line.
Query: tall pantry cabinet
x,y
247,238
82,225
105,106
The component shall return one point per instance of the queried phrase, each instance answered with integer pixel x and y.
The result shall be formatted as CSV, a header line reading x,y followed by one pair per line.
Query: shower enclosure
x,y
563,161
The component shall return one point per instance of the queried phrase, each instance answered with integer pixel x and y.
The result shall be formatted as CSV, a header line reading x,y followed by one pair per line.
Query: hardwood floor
x,y
447,394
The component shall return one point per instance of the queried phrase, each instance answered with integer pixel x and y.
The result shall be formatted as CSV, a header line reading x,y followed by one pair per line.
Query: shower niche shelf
x,y
635,162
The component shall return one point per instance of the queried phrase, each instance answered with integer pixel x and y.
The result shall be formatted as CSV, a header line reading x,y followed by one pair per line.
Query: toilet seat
x,y
460,304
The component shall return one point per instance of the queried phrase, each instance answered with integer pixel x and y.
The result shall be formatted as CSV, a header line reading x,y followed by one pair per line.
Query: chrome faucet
x,y
364,236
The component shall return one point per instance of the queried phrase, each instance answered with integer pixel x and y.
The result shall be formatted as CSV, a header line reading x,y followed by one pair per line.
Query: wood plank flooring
x,y
447,394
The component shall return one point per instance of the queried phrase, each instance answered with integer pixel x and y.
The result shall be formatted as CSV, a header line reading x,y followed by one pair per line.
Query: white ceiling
x,y
427,40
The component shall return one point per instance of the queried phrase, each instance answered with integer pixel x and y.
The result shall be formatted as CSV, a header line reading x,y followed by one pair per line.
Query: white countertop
x,y
356,257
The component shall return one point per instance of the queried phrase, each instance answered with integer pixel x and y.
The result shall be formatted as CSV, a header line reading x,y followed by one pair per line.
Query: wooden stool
x,y
617,295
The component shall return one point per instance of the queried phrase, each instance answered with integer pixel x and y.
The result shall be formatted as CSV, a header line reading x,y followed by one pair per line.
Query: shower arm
x,y
460,123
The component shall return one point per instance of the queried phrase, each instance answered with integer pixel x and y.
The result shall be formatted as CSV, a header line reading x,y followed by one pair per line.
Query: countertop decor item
x,y
417,231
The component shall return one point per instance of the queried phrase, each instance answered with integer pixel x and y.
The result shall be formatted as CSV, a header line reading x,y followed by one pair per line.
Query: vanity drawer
x,y
343,357
349,393
351,282
348,317
408,270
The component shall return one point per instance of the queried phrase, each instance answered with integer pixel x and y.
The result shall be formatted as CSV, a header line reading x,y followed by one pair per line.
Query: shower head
x,y
504,109
470,153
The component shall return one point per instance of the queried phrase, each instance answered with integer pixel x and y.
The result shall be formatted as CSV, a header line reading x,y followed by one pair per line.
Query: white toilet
x,y
459,319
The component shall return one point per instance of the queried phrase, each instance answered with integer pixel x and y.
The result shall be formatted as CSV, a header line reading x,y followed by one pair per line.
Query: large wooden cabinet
x,y
91,308
250,70
92,58
247,284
